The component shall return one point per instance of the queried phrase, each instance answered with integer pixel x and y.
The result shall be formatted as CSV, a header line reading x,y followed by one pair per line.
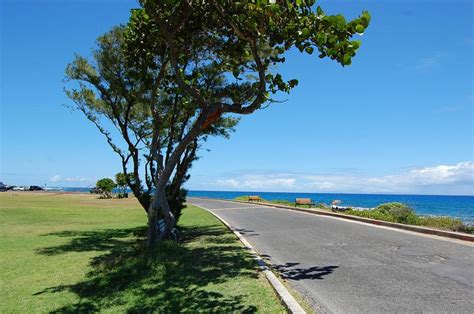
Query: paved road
x,y
347,267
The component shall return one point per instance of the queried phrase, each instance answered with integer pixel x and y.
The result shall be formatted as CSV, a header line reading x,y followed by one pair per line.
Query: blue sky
x,y
398,120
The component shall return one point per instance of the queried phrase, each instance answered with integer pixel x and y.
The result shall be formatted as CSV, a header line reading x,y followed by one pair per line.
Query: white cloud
x,y
55,178
258,182
448,109
322,185
467,103
229,182
441,179
68,180
430,62
461,172
76,179
438,179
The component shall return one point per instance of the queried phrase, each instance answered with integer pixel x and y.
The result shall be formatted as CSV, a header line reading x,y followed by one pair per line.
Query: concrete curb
x,y
419,229
283,294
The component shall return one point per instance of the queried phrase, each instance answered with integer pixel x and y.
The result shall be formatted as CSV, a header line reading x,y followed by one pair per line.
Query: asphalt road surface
x,y
349,267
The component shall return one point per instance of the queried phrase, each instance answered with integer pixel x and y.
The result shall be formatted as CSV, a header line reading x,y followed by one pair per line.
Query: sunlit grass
x,y
76,253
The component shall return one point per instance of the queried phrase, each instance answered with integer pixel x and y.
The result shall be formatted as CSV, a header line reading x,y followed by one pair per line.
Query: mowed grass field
x,y
77,253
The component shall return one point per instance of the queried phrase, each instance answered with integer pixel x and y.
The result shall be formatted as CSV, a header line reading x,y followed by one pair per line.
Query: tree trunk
x,y
152,235
159,198
159,203
167,214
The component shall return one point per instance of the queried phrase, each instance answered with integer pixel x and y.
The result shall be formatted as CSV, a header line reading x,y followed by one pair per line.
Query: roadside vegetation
x,y
392,212
77,253
401,213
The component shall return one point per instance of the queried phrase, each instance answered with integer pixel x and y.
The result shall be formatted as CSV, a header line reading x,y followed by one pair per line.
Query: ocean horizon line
x,y
283,192
345,193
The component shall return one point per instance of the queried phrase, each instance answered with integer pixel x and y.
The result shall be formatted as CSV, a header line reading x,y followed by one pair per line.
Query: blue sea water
x,y
438,205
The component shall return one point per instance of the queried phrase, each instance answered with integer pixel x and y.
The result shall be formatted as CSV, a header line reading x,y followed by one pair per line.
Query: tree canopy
x,y
106,185
121,180
183,70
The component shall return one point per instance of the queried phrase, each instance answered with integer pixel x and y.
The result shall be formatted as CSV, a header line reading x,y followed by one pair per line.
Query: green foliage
x,y
121,180
469,229
180,70
393,212
400,212
371,214
283,202
447,223
176,201
241,39
107,89
106,185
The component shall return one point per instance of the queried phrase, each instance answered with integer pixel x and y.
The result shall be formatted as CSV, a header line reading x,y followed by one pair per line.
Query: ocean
x,y
438,205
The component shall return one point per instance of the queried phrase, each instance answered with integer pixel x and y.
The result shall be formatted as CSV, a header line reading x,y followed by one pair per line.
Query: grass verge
x,y
75,253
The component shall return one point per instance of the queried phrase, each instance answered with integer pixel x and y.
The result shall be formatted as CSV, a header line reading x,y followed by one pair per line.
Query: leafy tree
x,y
134,115
191,67
121,180
106,185
220,57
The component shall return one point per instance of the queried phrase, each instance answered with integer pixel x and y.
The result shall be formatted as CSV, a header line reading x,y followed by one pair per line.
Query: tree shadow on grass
x,y
170,278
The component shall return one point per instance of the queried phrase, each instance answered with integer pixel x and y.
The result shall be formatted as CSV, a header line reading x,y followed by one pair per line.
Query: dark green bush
x,y
105,185
447,223
371,214
122,195
176,201
400,212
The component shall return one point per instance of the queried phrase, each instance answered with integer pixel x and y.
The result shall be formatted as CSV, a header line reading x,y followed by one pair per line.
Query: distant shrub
x,y
121,183
106,185
283,202
400,212
374,214
447,223
122,195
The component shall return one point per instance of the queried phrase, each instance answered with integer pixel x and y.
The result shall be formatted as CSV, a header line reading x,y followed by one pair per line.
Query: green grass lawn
x,y
76,253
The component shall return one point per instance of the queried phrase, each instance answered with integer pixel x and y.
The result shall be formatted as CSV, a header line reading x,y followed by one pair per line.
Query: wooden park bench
x,y
304,201
254,198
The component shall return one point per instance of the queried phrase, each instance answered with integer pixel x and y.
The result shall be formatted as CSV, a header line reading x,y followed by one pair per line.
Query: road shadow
x,y
168,279
292,272
246,232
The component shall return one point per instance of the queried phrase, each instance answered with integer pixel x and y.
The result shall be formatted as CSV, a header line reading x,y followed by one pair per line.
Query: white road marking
x,y
238,208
